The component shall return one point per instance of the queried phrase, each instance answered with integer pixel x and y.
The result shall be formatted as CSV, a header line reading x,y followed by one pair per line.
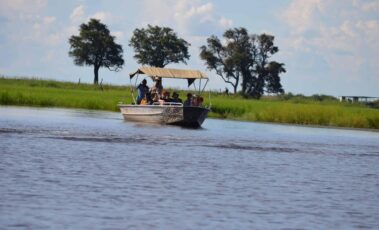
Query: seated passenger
x,y
166,96
155,98
175,98
200,101
157,88
188,102
195,101
149,99
144,101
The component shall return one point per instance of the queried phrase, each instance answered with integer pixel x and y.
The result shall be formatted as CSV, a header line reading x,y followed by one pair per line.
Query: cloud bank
x,y
342,35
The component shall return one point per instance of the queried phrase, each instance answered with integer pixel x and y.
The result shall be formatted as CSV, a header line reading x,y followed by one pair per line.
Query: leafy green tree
x,y
274,69
244,60
158,46
96,46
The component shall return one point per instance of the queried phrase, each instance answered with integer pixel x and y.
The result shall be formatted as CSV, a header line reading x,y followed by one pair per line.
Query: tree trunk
x,y
96,72
235,88
245,78
244,85
237,83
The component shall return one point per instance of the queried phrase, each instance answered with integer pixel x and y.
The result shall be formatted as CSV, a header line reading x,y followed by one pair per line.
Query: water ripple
x,y
253,148
73,170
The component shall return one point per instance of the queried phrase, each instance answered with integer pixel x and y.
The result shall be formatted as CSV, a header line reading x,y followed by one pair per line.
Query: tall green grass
x,y
293,109
34,92
297,110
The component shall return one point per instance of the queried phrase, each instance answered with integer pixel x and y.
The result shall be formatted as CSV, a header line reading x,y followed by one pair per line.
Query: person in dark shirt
x,y
143,89
175,98
166,96
188,102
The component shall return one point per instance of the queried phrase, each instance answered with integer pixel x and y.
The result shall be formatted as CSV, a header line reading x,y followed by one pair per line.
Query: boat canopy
x,y
154,72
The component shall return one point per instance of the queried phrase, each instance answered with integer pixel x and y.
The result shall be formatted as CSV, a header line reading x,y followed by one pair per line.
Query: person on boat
x,y
188,102
175,98
144,101
200,101
143,89
157,88
195,100
166,96
155,98
149,99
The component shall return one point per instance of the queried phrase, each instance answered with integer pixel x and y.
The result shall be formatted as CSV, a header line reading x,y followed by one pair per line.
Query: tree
x,y
244,60
95,46
158,46
273,83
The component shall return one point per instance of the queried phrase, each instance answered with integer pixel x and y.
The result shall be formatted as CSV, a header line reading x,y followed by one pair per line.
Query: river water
x,y
79,169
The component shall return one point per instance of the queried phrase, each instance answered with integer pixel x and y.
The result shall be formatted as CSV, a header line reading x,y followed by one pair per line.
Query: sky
x,y
328,46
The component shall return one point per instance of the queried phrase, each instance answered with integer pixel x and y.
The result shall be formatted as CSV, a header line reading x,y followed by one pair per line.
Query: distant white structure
x,y
364,99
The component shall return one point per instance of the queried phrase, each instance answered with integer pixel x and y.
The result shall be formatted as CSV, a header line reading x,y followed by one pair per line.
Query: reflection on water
x,y
80,169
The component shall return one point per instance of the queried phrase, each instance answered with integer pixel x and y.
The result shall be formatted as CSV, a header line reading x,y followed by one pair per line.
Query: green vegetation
x,y
243,59
158,46
96,47
48,93
293,109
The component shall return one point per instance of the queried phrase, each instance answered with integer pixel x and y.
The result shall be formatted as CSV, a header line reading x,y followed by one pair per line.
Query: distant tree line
x,y
243,60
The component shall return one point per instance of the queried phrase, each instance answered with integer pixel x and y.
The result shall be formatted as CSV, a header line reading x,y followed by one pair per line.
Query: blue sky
x,y
328,46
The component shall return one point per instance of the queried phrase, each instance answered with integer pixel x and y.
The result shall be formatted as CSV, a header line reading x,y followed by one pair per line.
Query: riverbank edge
x,y
55,94
216,118
310,126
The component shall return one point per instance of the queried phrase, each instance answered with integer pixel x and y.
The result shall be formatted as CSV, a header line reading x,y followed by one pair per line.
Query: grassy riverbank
x,y
324,111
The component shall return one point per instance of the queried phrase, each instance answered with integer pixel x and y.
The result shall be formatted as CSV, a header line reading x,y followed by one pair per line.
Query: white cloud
x,y
28,27
72,29
54,39
18,8
77,14
367,5
190,17
370,30
224,22
347,28
372,25
189,14
312,26
50,56
49,20
205,8
300,14
38,30
195,10
118,34
339,34
104,17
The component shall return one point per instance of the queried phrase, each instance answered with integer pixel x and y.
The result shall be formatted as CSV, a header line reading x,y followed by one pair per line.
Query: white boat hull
x,y
165,114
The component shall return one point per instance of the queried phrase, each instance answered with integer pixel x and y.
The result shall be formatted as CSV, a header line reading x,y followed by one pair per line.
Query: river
x,y
80,169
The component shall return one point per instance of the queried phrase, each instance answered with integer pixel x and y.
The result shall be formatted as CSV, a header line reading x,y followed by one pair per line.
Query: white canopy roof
x,y
169,73
154,72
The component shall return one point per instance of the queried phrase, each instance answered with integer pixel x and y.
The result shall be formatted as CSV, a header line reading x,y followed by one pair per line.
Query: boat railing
x,y
168,103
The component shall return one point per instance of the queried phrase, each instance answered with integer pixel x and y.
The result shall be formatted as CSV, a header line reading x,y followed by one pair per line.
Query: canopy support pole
x,y
205,85
194,85
132,91
200,86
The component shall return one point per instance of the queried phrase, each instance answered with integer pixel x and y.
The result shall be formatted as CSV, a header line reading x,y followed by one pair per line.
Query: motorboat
x,y
168,113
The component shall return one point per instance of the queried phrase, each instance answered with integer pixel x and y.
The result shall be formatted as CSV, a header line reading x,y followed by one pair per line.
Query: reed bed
x,y
34,92
315,110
